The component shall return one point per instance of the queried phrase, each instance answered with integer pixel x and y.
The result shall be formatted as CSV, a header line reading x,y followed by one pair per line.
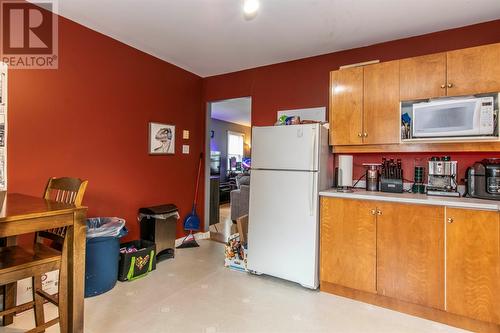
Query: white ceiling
x,y
210,37
236,110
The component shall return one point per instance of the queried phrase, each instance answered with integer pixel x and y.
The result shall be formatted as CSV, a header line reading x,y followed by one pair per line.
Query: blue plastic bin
x,y
102,254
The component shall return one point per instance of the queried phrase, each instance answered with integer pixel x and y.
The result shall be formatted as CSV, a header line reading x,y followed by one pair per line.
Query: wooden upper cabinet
x,y
474,70
410,253
364,105
473,264
348,243
381,116
346,106
365,100
423,77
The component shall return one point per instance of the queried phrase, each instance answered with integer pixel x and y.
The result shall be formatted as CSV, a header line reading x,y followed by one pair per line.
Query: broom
x,y
192,221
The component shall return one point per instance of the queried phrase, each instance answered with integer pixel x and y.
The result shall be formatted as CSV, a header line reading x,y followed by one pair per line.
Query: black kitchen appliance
x,y
483,179
391,179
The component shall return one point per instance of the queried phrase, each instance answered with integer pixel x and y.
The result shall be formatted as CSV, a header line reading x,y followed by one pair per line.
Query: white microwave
x,y
456,117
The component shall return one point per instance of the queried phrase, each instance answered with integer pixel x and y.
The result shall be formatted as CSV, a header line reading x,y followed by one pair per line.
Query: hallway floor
x,y
220,232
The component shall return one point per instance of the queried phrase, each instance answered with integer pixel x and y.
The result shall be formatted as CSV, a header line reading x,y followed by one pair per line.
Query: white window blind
x,y
235,142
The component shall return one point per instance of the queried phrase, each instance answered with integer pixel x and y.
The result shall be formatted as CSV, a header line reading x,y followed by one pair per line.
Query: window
x,y
235,142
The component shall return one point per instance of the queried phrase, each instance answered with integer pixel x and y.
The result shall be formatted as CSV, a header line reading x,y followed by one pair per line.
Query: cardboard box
x,y
50,284
242,224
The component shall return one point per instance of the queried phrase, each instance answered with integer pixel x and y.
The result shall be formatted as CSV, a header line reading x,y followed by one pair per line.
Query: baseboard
x,y
411,309
197,236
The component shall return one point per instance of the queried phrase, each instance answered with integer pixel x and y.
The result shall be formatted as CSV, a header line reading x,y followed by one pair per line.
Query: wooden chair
x,y
67,190
17,263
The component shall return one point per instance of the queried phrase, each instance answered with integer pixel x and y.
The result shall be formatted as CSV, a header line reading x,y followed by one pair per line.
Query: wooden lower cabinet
x,y
436,262
473,264
410,253
348,252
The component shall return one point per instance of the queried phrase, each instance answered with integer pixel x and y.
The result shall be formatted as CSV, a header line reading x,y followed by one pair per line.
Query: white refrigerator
x,y
290,165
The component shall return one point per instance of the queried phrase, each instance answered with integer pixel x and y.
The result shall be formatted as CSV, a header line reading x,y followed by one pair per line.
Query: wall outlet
x,y
185,149
185,134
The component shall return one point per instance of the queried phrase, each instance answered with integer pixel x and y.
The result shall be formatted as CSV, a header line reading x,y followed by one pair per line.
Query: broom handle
x,y
197,181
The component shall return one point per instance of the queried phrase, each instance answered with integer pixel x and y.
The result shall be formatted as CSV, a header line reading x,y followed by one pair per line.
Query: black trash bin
x,y
158,225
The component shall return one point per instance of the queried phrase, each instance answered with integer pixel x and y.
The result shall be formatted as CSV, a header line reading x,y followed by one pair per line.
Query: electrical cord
x,y
357,181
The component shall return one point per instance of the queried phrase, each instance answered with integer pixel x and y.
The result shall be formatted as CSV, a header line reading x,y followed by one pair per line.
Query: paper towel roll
x,y
345,171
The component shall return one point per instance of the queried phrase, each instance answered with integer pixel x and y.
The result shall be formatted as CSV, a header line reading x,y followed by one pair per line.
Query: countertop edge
x,y
403,198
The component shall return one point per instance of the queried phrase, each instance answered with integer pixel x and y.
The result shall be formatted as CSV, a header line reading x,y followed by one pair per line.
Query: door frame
x,y
208,117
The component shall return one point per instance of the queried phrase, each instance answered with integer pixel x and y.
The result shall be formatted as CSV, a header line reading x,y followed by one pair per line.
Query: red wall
x,y
304,83
89,119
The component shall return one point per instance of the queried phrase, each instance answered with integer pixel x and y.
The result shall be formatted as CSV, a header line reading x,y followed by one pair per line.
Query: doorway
x,y
227,164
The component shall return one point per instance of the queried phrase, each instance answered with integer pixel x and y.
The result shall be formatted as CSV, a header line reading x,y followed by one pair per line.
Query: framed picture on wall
x,y
161,139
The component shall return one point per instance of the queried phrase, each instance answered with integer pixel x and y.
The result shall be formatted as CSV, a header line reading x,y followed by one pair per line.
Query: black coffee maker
x,y
483,179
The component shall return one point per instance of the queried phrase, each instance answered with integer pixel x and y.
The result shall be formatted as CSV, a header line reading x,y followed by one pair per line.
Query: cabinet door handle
x,y
379,212
450,85
443,86
359,134
365,134
373,211
449,220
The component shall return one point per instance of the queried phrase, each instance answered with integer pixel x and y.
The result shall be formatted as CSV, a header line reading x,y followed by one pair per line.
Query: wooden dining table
x,y
24,214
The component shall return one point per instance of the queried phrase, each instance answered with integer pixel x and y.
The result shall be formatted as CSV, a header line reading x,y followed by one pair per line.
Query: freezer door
x,y
283,228
285,147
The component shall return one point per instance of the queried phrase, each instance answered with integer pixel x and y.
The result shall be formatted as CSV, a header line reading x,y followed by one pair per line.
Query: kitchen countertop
x,y
412,198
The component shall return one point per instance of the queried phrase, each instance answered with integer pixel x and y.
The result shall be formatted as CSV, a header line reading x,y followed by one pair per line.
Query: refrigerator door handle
x,y
312,185
313,149
311,197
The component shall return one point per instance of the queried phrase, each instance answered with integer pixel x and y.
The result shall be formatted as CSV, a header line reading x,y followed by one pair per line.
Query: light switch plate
x,y
185,149
185,134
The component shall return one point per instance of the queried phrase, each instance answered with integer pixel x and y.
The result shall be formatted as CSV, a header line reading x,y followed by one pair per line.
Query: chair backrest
x,y
66,190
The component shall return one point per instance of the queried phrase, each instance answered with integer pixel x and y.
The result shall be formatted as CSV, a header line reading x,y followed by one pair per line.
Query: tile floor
x,y
195,293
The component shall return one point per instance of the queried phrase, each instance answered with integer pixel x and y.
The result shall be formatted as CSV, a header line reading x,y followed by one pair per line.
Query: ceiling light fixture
x,y
250,8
